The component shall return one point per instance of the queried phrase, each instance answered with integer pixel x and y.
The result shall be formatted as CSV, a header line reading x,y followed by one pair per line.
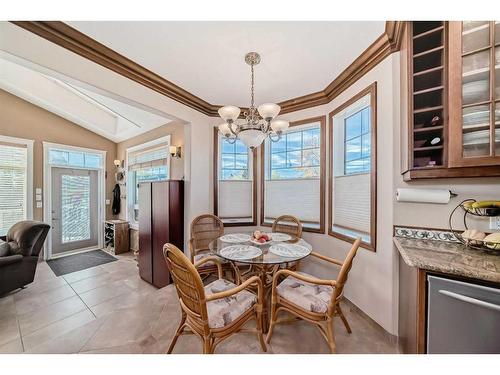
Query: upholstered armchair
x,y
215,311
19,251
312,299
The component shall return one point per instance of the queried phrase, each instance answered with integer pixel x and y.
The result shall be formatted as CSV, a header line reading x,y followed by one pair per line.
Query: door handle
x,y
471,300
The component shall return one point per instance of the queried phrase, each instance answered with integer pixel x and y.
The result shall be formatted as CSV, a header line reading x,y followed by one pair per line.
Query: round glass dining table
x,y
237,247
264,260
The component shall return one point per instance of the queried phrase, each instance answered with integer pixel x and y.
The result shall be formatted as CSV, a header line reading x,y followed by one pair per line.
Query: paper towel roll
x,y
441,196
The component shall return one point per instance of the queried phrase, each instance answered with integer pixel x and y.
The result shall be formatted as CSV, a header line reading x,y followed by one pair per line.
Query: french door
x,y
74,209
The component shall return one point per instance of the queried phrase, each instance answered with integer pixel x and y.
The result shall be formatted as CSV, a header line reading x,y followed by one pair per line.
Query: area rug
x,y
78,262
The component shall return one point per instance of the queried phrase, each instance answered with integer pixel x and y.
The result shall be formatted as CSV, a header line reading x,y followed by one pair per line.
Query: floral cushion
x,y
310,297
200,256
223,312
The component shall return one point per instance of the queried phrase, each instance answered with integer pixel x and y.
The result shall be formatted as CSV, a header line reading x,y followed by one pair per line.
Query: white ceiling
x,y
106,116
207,58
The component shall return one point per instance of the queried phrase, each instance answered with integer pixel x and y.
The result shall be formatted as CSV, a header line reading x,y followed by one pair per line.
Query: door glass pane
x,y
75,208
476,78
475,35
497,33
476,131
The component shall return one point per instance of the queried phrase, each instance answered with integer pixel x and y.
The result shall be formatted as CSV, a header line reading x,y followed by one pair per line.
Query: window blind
x,y
148,158
351,202
235,186
13,185
300,198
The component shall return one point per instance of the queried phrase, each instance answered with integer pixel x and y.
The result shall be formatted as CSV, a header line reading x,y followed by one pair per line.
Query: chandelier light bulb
x,y
224,129
279,126
229,113
268,111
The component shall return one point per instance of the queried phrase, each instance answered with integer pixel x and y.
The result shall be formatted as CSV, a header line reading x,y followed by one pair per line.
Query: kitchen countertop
x,y
450,258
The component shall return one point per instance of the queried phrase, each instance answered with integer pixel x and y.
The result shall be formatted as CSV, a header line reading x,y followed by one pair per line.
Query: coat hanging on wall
x,y
116,200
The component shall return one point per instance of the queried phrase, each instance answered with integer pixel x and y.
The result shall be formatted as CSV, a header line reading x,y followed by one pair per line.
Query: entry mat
x,y
78,262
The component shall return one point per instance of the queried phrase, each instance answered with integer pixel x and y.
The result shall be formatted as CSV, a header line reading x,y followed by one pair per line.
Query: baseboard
x,y
393,339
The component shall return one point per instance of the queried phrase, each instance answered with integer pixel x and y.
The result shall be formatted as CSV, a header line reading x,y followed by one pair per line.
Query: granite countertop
x,y
451,258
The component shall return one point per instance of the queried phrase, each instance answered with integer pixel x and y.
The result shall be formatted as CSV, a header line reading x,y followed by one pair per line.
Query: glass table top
x,y
238,247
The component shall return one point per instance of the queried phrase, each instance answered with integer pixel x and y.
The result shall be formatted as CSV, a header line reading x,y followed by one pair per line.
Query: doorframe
x,y
47,186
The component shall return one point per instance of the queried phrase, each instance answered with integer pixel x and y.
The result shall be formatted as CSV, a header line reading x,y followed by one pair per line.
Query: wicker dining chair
x,y
215,311
204,229
312,299
290,225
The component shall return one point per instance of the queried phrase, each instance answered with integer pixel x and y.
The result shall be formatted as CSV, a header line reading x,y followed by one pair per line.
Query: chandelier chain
x,y
252,88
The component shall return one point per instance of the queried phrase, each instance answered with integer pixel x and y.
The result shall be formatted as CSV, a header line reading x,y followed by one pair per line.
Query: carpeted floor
x,y
78,262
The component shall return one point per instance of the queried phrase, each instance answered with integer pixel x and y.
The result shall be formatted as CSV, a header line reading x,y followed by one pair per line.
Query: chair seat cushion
x,y
201,256
223,312
310,297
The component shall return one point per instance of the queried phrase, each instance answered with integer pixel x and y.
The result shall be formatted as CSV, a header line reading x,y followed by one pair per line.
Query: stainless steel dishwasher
x,y
462,317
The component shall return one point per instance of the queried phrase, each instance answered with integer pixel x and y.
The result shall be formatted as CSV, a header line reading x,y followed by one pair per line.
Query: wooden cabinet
x,y
161,220
474,63
116,236
453,102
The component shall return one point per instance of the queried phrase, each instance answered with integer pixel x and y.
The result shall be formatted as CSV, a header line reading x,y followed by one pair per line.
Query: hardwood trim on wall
x,y
67,37
75,41
372,90
321,229
216,184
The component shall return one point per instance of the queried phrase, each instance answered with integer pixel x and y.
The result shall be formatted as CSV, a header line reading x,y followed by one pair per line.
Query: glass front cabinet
x,y
453,103
474,90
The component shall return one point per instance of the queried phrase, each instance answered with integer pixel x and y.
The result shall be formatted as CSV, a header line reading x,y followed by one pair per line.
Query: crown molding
x,y
75,41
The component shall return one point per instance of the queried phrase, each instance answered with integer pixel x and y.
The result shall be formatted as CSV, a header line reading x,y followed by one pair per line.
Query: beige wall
x,y
22,119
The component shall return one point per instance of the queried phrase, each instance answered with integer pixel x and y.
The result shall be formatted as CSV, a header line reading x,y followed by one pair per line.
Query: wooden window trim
x,y
372,90
322,178
216,185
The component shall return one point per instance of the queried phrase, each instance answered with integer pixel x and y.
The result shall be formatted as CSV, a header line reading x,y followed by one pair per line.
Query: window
x,y
78,159
352,153
296,155
357,143
294,175
145,163
15,182
234,182
234,161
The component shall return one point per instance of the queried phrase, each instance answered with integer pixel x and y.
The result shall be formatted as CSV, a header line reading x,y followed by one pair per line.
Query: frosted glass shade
x,y
268,110
252,138
279,125
224,129
229,112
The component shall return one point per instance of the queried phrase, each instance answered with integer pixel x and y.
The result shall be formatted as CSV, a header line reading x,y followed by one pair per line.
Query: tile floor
x,y
109,309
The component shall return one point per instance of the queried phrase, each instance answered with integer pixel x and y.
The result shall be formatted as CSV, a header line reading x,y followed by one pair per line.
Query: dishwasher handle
x,y
471,300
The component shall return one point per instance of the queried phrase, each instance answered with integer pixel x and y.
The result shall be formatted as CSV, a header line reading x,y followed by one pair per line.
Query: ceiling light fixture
x,y
259,122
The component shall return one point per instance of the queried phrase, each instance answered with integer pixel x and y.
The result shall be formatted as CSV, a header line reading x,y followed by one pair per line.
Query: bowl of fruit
x,y
260,238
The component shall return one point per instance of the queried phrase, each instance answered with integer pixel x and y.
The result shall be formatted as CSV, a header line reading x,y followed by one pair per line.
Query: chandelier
x,y
259,123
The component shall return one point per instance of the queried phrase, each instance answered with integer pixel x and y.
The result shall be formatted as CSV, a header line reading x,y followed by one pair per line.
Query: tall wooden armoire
x,y
161,220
